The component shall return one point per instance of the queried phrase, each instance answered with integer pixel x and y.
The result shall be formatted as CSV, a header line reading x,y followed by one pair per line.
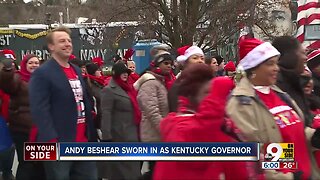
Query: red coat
x,y
316,124
201,126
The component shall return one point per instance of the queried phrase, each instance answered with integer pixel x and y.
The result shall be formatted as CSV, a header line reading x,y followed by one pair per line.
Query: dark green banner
x,y
87,42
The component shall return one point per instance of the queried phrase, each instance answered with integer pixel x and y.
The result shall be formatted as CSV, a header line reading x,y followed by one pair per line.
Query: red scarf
x,y
132,93
168,79
24,73
133,77
99,80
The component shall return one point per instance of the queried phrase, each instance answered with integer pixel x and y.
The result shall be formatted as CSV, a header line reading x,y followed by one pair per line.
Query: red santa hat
x,y
98,61
186,51
182,50
8,53
230,66
313,59
253,52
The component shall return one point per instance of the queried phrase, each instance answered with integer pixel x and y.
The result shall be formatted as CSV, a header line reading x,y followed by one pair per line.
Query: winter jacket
x,y
289,83
53,105
95,90
255,121
117,125
153,102
201,126
117,122
19,108
106,80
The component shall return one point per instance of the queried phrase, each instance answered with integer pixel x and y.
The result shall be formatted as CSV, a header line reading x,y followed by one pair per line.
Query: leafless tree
x,y
208,23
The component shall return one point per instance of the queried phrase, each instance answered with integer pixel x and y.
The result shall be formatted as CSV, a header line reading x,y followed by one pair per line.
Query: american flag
x,y
308,13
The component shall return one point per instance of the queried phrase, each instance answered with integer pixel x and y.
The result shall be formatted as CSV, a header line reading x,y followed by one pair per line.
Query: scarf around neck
x,y
132,93
99,80
167,79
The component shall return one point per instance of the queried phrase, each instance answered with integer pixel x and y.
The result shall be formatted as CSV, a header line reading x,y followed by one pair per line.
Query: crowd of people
x,y
270,95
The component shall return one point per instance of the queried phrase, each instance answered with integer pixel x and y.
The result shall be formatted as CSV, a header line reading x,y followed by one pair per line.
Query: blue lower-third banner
x,y
158,151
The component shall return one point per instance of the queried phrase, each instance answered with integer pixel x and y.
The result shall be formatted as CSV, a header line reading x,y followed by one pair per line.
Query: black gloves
x,y
315,140
7,64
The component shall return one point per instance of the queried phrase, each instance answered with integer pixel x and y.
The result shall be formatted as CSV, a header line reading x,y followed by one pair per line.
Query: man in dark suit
x,y
60,106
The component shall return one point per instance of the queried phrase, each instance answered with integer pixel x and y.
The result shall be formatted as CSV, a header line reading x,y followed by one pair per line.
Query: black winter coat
x,y
289,82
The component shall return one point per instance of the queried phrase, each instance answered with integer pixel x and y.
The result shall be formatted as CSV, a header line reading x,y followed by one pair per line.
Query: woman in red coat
x,y
199,119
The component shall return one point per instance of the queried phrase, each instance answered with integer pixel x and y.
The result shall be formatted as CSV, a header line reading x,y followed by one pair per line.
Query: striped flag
x,y
308,13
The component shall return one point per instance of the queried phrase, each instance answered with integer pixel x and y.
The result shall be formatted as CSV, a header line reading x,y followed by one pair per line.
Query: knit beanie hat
x,y
186,51
253,52
162,57
92,68
155,50
119,68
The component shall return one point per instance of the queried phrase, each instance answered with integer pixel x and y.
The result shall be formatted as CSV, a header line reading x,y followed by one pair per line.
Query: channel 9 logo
x,y
279,152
